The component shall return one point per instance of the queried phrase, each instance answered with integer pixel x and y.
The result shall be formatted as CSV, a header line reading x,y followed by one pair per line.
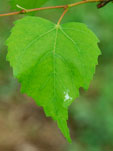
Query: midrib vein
x,y
54,63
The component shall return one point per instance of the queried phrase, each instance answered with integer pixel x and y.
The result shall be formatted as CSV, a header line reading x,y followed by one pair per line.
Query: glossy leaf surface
x,y
52,62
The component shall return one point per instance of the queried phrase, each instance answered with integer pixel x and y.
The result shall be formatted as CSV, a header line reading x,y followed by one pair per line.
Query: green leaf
x,y
27,4
52,62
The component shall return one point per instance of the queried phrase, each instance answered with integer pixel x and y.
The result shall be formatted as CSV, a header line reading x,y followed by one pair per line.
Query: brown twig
x,y
31,10
103,3
84,2
51,7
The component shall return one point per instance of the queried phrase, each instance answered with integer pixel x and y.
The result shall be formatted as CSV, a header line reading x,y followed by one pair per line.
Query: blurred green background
x,y
23,125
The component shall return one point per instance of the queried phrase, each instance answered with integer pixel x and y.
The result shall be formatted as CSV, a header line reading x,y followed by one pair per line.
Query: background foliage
x,y
23,125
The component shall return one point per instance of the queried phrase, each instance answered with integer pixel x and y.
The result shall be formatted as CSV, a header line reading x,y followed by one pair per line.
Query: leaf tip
x,y
62,124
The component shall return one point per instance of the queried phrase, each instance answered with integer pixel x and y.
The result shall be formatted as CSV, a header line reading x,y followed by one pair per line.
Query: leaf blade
x,y
52,63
